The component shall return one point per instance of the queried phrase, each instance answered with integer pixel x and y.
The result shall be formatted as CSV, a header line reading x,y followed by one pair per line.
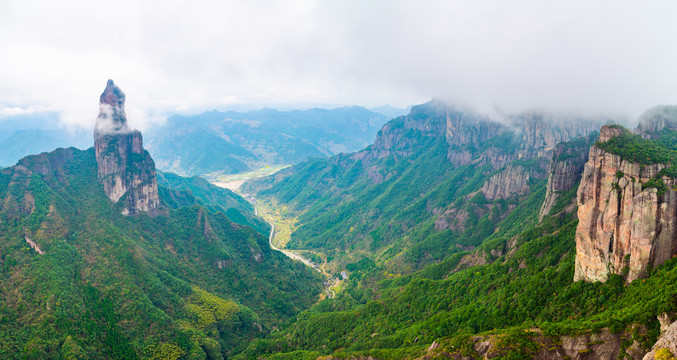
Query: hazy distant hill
x,y
391,111
25,135
232,142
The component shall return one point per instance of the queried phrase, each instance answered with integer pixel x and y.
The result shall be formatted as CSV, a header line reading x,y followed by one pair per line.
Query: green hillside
x,y
178,191
383,202
494,271
519,278
188,284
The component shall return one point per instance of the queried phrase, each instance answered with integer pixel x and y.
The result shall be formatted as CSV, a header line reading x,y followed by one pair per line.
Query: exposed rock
x,y
665,320
433,346
620,224
476,258
566,169
513,180
602,345
375,175
125,169
656,119
609,131
394,138
466,129
542,132
666,342
34,246
453,219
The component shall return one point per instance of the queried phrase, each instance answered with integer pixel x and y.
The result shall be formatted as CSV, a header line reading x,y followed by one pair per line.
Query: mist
x,y
603,57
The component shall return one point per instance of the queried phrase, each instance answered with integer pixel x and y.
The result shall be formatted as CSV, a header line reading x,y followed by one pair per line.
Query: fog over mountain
x,y
189,57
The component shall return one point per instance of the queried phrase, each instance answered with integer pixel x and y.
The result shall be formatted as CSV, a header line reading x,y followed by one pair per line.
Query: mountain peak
x,y
125,169
112,118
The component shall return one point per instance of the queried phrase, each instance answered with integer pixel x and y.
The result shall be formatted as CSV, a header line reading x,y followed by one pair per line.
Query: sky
x,y
174,56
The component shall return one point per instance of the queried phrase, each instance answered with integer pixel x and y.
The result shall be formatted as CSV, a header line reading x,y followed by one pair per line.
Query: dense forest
x,y
503,273
187,284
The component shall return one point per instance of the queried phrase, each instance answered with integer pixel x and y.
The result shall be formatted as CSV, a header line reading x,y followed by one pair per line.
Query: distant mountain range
x,y
25,135
233,142
216,142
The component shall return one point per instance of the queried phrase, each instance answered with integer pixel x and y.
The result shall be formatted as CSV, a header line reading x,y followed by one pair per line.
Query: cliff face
x,y
540,136
620,224
125,169
656,119
513,180
566,168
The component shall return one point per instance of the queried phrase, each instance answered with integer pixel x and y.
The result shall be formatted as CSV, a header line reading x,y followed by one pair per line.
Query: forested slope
x,y
189,283
435,182
510,294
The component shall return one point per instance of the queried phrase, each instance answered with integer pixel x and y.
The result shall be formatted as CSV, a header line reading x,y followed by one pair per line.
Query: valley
x,y
338,180
453,235
489,261
234,181
281,227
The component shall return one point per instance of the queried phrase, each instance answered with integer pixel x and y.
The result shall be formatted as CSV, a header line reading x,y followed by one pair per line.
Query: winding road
x,y
290,254
294,256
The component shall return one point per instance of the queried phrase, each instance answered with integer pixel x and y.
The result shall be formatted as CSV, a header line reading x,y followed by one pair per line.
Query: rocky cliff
x,y
540,134
513,180
566,168
656,119
125,169
625,227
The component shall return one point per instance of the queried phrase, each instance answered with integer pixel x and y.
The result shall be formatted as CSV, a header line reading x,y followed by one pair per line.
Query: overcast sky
x,y
190,56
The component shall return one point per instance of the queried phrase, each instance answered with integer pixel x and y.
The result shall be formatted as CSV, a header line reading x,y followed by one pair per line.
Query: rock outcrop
x,y
566,168
513,180
125,169
656,119
601,345
666,345
542,132
624,227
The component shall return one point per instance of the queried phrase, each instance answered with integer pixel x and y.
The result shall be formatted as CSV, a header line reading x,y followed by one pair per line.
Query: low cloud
x,y
601,56
15,111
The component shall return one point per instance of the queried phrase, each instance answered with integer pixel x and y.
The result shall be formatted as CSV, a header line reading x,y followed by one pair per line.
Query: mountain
x,y
177,192
97,260
24,135
627,202
233,142
434,182
125,169
456,246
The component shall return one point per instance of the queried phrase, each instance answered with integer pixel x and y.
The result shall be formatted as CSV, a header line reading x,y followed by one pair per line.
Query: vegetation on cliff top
x,y
632,147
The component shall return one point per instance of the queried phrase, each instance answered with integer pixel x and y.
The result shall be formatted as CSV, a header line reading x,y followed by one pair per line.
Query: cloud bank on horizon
x,y
181,56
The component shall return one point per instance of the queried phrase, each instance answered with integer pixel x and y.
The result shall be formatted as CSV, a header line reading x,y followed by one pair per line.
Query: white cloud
x,y
195,55
14,111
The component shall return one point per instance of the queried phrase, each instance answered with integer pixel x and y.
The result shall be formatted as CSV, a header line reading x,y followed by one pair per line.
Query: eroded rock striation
x,y
125,169
624,227
566,168
513,180
656,119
